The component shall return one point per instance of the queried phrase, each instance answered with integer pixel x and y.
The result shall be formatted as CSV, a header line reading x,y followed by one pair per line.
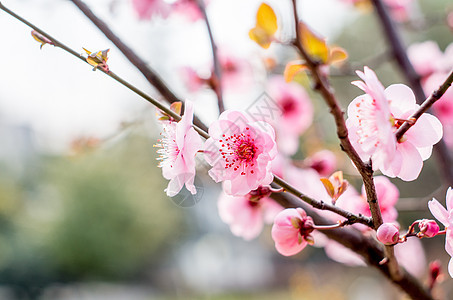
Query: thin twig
x,y
151,76
436,95
217,76
445,162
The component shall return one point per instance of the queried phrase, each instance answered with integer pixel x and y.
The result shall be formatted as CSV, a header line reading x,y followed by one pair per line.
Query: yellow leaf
x,y
328,186
337,55
314,45
266,19
292,68
176,107
265,27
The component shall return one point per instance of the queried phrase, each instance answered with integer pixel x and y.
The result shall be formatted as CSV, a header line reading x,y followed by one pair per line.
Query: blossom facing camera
x,y
291,231
428,228
240,152
388,234
180,144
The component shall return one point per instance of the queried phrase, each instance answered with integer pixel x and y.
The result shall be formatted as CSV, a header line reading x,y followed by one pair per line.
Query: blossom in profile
x,y
291,231
445,216
149,8
179,146
240,152
295,116
246,215
373,119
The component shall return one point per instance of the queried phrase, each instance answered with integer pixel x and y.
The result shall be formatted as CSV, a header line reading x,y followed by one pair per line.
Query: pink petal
x,y
450,267
449,242
427,131
400,96
412,162
438,211
341,254
449,199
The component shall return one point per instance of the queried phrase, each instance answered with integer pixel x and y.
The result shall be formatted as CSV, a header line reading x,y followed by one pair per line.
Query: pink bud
x,y
388,233
428,228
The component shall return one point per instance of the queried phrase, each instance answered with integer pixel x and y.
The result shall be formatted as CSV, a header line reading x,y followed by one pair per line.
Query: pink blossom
x,y
399,9
296,112
428,228
387,194
191,79
411,256
148,8
180,144
444,107
241,152
247,214
188,9
373,120
291,231
324,162
425,57
445,216
236,71
388,233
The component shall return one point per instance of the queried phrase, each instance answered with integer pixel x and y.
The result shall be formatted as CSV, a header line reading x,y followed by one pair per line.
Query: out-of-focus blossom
x,y
373,119
240,152
400,9
149,8
296,113
324,162
236,71
247,214
291,231
428,228
445,216
444,107
188,9
425,57
387,194
191,79
388,233
411,256
180,143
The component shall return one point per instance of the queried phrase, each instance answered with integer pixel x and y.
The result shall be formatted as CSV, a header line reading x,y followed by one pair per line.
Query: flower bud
x,y
388,233
428,228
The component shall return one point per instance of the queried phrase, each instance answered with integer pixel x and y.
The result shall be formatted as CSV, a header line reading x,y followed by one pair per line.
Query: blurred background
x,y
83,214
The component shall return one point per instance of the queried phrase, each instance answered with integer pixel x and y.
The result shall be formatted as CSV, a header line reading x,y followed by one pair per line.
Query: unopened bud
x,y
388,234
428,228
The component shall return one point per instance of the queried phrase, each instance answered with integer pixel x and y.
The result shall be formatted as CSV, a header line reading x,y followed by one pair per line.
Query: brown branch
x,y
365,170
445,162
150,75
217,76
436,95
367,247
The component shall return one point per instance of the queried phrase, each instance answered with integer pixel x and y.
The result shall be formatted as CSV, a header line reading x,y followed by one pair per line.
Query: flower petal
x,y
438,211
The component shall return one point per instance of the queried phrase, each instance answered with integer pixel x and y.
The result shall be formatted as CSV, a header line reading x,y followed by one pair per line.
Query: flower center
x,y
239,152
169,149
287,106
